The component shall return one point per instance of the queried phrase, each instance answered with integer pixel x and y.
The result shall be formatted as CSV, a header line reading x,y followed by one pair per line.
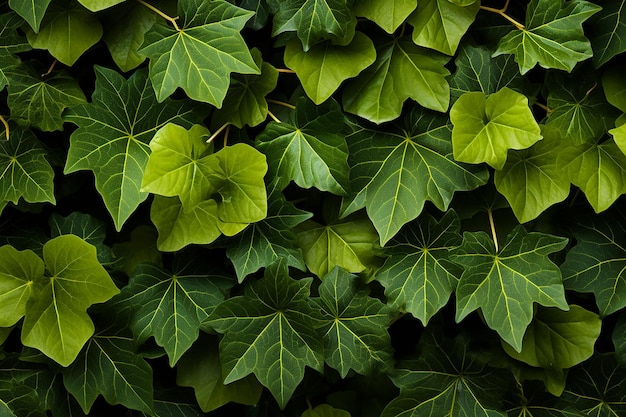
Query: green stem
x,y
281,103
172,20
6,126
217,132
502,12
492,225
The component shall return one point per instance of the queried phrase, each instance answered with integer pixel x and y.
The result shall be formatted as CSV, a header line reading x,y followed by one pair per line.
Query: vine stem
x,y
492,225
172,20
226,132
217,132
6,126
544,107
281,103
502,12
54,63
276,119
285,70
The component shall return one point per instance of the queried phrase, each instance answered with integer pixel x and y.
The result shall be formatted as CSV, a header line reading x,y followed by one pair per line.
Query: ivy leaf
x,y
311,151
388,14
109,366
485,128
113,142
394,173
533,179
418,276
39,100
87,227
67,31
18,272
31,12
504,284
402,70
185,57
24,171
440,24
56,322
171,306
597,263
98,5
355,334
261,13
269,331
606,31
553,36
323,68
314,20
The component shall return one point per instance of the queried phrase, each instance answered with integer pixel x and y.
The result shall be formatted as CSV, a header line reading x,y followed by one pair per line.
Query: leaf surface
x,y
388,14
31,11
607,31
87,227
98,5
19,270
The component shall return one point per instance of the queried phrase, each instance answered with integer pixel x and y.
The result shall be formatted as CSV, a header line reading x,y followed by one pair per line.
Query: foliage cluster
x,y
312,208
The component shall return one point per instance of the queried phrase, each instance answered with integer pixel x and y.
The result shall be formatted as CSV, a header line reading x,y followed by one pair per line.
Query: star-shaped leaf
x,y
553,36
311,150
269,331
31,11
393,174
418,276
208,33
388,14
355,333
113,136
486,127
504,284
607,31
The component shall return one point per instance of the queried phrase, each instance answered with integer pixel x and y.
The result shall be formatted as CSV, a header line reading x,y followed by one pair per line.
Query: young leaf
x,y
553,36
402,70
418,276
440,24
504,284
56,322
485,128
31,12
269,331
607,31
311,151
98,5
388,14
185,57
109,366
19,270
113,135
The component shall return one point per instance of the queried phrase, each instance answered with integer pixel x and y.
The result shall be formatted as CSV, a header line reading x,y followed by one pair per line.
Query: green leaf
x,y
402,70
597,263
269,331
56,322
31,11
201,369
170,306
11,41
388,14
504,284
614,87
109,366
5,411
209,33
355,333
67,31
311,151
533,179
314,20
38,100
619,339
558,339
325,410
97,5
141,248
485,128
440,24
113,142
24,171
87,227
606,31
553,36
245,102
18,272
418,276
323,68
394,173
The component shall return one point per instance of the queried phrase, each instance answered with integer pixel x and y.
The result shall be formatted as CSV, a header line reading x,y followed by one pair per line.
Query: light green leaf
x,y
323,68
485,128
402,70
325,410
19,270
110,366
56,322
67,31
440,24
388,14
201,369
311,150
269,331
504,284
418,276
355,333
533,179
113,136
38,100
87,227
97,5
31,11
553,35
209,33
606,31
5,411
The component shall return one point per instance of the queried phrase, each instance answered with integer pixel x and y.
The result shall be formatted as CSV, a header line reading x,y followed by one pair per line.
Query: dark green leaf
x,y
85,226
619,339
31,11
607,31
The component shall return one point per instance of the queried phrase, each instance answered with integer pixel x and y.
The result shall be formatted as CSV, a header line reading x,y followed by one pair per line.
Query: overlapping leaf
x,y
18,272
506,283
619,339
98,5
553,36
186,57
31,12
388,14
608,31
113,136
87,227
325,410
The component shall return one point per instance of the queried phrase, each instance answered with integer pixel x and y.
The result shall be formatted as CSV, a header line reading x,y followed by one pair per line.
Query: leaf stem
x,y
492,225
502,12
226,135
281,103
217,132
285,70
544,107
172,20
6,126
50,69
276,119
